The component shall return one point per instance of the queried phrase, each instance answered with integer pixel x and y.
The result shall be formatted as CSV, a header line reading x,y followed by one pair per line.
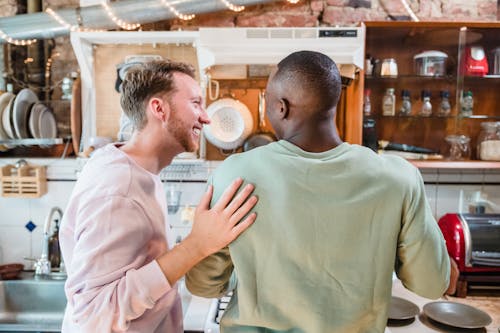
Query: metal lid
x,y
434,54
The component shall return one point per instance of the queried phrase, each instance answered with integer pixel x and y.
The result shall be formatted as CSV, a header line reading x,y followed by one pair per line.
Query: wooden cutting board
x,y
76,115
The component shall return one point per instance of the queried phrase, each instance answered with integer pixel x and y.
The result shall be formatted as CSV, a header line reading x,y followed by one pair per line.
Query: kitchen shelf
x,y
410,77
479,116
445,164
35,142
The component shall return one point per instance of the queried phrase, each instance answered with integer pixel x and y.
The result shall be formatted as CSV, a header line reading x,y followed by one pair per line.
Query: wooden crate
x,y
28,181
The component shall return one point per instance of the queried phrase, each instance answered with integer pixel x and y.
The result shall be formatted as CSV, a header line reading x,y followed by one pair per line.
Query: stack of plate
x,y
22,116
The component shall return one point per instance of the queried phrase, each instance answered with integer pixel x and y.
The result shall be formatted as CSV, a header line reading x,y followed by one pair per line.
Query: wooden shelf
x,y
455,164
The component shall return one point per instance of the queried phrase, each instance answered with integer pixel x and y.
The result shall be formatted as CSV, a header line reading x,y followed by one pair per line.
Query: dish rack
x,y
26,181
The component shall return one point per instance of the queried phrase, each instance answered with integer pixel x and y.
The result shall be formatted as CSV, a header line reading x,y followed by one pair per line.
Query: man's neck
x,y
148,153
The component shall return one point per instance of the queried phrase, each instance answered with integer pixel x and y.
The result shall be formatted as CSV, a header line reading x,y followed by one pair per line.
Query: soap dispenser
x,y
54,249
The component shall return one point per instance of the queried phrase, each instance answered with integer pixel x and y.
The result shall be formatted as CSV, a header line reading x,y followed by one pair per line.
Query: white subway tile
x,y
15,211
16,244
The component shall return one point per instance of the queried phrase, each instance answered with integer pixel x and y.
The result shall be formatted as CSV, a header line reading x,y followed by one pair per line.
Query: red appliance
x,y
473,240
475,62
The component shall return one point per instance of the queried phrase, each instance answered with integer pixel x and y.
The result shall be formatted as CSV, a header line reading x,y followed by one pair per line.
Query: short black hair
x,y
315,72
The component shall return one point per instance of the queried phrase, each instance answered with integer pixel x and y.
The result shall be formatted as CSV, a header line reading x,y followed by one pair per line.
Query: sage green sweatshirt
x,y
331,229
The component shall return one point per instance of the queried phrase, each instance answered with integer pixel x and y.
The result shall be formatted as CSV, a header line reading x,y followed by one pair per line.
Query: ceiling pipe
x,y
44,26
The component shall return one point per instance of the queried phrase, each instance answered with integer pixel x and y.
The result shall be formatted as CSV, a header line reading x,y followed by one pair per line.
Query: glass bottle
x,y
54,249
467,104
426,110
389,102
370,134
444,106
367,106
459,147
405,109
488,142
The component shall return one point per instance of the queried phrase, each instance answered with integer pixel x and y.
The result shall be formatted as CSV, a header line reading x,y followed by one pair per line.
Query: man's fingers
x,y
206,198
243,210
243,225
240,199
228,194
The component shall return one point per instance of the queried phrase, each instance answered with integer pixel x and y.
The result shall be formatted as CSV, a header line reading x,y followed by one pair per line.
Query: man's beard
x,y
181,132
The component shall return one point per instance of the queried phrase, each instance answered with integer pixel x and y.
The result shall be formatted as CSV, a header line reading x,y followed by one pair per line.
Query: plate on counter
x,y
402,309
457,314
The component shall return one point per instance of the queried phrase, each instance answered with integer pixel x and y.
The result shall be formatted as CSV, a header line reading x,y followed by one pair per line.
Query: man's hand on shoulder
x,y
216,227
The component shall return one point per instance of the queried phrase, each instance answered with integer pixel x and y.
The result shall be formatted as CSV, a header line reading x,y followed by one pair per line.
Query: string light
x,y
21,42
122,24
60,20
233,7
179,15
68,26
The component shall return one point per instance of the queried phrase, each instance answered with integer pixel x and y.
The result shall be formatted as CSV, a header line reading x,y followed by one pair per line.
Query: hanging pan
x,y
261,137
230,125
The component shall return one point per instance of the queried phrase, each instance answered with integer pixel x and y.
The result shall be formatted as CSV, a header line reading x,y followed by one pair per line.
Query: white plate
x,y
7,119
47,124
5,99
34,119
22,104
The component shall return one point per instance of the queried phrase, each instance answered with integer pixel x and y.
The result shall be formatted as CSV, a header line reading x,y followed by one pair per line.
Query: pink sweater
x,y
113,229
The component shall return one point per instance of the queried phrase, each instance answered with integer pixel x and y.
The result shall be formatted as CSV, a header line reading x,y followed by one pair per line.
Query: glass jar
x,y
405,109
426,110
444,106
488,142
389,67
459,147
389,103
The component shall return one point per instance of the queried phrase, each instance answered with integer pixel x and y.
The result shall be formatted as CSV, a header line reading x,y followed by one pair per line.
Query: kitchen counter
x,y
488,303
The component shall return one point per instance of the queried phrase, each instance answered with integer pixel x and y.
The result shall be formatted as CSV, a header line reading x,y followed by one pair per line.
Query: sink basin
x,y
31,305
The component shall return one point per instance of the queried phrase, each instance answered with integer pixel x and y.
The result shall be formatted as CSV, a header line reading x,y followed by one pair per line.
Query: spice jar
x,y
488,142
459,147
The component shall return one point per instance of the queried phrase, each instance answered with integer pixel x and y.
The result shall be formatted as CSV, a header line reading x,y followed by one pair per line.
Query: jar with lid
x,y
444,106
389,67
389,103
488,142
405,109
459,147
426,110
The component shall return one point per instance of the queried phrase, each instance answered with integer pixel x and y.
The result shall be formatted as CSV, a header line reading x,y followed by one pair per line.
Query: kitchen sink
x,y
31,305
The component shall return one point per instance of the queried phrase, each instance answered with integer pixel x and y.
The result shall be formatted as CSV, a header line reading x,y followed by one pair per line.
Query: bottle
x,y
367,106
405,109
426,110
444,106
54,249
370,134
467,103
389,102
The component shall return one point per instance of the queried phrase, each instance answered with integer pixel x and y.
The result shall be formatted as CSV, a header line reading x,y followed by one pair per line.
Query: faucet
x,y
42,265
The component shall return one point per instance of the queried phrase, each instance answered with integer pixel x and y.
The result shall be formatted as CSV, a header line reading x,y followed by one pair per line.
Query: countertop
x,y
489,303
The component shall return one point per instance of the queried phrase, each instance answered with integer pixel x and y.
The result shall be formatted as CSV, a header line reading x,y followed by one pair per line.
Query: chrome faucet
x,y
42,265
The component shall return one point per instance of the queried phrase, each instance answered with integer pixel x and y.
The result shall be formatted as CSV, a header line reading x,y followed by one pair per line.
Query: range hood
x,y
231,46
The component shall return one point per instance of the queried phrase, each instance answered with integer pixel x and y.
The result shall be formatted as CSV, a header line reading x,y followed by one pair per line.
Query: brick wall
x,y
304,13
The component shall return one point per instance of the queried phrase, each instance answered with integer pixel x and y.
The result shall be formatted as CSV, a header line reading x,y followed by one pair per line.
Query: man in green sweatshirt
x,y
334,221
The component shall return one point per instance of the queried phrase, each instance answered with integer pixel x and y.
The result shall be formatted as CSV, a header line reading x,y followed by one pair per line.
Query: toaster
x,y
473,241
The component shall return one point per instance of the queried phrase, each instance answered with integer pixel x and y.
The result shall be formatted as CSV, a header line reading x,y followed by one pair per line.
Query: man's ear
x,y
159,108
284,108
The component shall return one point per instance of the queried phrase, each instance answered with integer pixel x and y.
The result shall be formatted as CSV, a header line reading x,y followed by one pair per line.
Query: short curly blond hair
x,y
143,81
